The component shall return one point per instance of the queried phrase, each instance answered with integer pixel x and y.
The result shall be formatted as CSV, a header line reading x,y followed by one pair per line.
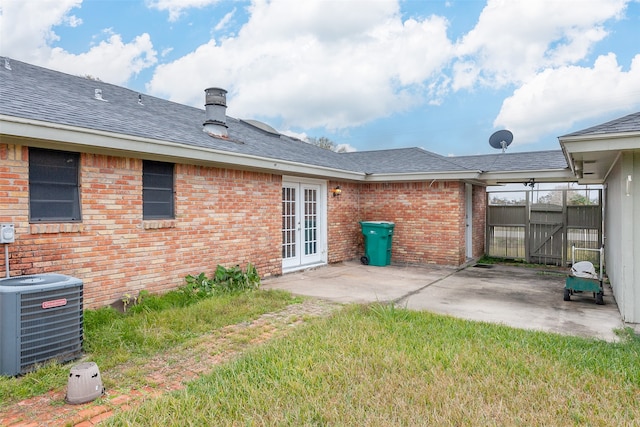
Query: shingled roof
x,y
32,92
43,95
535,160
629,123
402,160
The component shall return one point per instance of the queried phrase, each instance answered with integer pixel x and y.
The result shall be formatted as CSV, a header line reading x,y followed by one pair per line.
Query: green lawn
x,y
379,366
369,365
162,324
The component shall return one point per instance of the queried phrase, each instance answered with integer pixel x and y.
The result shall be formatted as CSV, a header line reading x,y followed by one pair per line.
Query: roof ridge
x,y
388,149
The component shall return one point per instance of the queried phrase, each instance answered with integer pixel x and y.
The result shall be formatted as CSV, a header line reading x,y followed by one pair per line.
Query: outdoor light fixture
x,y
336,191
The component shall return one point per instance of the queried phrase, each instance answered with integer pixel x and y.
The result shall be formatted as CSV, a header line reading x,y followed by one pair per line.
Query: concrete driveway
x,y
514,296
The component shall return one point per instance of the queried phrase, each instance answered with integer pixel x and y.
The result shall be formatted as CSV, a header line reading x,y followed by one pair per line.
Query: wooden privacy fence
x,y
540,226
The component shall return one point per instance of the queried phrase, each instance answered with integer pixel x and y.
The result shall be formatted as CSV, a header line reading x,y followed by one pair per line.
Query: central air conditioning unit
x,y
40,320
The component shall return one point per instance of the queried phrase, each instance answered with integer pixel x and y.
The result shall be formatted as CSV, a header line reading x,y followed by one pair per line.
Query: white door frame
x,y
298,255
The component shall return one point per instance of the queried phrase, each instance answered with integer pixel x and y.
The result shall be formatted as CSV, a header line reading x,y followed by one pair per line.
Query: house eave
x,y
599,151
601,142
423,176
541,175
53,135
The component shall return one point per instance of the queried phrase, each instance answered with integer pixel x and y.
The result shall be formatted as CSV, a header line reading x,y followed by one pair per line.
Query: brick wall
x,y
429,219
479,220
343,216
222,217
14,184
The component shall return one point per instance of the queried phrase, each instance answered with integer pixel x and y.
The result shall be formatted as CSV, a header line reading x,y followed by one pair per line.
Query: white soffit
x,y
591,157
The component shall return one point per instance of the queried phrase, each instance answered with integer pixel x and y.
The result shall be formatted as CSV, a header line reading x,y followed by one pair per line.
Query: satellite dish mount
x,y
501,139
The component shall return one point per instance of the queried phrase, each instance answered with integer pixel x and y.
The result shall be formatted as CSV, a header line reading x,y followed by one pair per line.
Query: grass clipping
x,y
380,365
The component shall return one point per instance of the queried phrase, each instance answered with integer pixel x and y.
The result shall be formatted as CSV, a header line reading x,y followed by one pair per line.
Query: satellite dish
x,y
501,139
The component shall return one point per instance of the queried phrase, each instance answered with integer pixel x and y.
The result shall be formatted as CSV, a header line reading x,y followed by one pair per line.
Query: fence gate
x,y
540,226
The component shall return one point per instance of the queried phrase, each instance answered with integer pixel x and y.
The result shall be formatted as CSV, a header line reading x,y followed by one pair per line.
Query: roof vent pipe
x,y
216,111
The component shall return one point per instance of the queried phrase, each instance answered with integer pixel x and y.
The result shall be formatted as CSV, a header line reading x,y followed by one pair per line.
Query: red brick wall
x,y
343,216
14,196
429,219
479,219
222,217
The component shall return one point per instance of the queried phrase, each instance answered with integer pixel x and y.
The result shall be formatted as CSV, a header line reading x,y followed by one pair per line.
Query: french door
x,y
303,224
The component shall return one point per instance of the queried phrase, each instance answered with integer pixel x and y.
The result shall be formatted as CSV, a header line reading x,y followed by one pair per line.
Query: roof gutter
x,y
569,158
101,142
423,176
600,142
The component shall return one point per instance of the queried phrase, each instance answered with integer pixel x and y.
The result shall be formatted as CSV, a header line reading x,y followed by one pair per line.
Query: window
x,y
54,194
157,190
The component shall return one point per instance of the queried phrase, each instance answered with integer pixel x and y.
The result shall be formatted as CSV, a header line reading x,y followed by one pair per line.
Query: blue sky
x,y
371,74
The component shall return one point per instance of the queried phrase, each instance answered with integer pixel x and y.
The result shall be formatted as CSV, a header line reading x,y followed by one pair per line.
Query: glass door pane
x,y
310,221
302,233
289,238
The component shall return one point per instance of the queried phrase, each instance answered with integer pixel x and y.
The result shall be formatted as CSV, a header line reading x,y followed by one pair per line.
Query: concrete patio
x,y
520,297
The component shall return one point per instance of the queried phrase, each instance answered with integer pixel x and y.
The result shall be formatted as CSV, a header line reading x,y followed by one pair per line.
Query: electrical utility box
x,y
7,233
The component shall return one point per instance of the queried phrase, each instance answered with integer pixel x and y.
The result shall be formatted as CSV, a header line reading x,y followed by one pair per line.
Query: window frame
x,y
153,173
43,182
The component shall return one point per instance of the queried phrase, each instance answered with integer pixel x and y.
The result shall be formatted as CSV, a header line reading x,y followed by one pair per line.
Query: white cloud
x,y
225,20
73,21
111,60
176,7
555,99
337,67
315,66
302,136
345,148
27,34
513,40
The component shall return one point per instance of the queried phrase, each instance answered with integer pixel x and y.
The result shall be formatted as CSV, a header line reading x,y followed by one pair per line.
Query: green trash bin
x,y
378,236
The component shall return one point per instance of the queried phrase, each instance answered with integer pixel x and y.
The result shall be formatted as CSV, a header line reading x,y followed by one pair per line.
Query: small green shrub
x,y
224,280
196,288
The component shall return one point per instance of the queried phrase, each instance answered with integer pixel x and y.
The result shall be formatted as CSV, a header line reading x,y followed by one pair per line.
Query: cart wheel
x,y
567,295
364,260
599,299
